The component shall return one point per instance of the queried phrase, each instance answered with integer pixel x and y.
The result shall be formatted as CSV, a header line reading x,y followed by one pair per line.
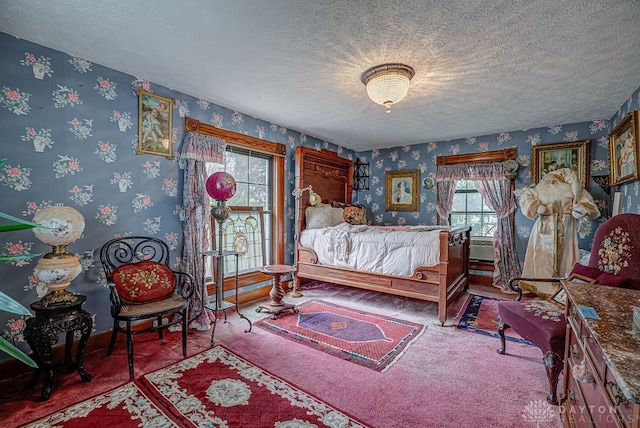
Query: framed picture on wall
x,y
550,157
154,124
623,150
402,190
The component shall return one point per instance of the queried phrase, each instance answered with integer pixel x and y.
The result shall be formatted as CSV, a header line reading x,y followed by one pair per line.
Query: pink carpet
x,y
447,378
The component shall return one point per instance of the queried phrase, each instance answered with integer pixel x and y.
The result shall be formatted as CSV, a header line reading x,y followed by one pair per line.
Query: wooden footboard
x,y
441,283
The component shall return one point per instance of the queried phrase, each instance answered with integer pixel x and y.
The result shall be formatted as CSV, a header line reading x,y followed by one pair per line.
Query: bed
x,y
441,281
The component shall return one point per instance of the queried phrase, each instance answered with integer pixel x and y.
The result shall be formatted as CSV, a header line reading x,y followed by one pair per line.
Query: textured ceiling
x,y
481,66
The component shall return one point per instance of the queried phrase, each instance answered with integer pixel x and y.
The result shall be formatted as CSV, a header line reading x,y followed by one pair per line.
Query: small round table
x,y
276,306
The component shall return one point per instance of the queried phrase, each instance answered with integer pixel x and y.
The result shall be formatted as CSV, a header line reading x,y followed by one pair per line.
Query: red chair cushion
x,y
538,321
144,282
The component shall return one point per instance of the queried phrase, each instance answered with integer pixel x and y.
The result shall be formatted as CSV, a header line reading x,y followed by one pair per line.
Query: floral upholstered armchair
x,y
614,262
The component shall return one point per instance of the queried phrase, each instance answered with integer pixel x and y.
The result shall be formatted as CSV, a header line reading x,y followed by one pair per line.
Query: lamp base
x,y
58,298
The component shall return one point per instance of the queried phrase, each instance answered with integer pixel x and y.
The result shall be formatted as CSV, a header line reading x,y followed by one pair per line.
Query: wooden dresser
x,y
602,358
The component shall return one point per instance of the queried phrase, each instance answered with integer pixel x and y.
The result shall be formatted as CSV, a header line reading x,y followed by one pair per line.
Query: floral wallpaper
x,y
70,133
70,130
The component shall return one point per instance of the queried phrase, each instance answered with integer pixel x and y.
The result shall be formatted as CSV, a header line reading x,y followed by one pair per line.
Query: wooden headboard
x,y
330,176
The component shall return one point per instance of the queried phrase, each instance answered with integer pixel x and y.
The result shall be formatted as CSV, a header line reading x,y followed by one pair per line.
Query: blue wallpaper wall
x,y
69,130
69,134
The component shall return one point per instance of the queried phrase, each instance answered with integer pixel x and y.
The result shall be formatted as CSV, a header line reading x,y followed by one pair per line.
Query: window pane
x,y
474,201
459,202
458,219
259,170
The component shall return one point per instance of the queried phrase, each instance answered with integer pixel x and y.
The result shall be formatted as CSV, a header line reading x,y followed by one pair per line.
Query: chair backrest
x,y
132,249
616,247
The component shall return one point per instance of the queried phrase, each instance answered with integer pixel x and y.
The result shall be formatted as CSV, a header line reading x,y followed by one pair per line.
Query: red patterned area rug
x,y
373,341
481,315
125,406
217,388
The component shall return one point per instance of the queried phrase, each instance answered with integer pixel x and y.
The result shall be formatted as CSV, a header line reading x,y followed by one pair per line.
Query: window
x,y
252,212
469,208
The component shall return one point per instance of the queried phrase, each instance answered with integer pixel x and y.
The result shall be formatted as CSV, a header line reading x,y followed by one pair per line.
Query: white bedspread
x,y
375,249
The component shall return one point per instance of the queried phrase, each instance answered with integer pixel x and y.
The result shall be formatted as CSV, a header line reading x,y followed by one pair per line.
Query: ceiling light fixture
x,y
387,84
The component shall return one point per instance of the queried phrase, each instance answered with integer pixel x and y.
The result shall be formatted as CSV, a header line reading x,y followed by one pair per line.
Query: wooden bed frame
x,y
332,178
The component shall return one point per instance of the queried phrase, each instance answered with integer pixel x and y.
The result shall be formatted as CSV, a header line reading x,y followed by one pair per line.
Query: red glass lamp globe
x,y
221,186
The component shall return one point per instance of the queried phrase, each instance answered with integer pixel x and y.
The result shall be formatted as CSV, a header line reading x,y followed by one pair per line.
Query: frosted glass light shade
x,y
61,225
387,84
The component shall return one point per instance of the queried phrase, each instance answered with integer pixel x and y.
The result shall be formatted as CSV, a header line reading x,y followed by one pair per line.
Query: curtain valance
x,y
471,171
203,148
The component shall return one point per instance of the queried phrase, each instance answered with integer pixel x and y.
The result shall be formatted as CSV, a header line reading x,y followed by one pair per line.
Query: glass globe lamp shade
x,y
221,186
61,225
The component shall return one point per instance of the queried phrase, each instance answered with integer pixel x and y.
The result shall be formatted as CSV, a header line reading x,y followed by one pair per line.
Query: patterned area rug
x,y
480,316
215,388
125,406
371,340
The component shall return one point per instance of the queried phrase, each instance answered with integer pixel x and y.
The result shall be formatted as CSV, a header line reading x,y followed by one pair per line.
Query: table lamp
x,y
221,186
59,227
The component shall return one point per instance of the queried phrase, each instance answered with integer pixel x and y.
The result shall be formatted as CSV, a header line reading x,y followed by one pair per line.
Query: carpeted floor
x,y
446,378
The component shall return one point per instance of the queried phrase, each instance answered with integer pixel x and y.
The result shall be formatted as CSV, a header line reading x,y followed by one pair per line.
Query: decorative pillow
x,y
318,217
352,214
337,216
600,277
144,282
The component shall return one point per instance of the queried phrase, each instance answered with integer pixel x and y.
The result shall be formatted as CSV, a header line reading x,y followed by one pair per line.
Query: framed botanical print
x,y
155,118
550,157
623,150
402,190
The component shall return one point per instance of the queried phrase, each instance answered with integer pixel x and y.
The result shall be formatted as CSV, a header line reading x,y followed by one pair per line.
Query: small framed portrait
x,y
559,297
623,150
550,157
155,118
402,190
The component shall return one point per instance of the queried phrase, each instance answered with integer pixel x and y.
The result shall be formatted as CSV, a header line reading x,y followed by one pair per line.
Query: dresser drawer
x,y
622,406
574,409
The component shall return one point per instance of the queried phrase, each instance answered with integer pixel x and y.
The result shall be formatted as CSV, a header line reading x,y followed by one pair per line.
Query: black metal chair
x,y
143,287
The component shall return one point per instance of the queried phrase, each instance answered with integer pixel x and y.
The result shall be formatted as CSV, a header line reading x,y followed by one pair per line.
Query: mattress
x,y
396,251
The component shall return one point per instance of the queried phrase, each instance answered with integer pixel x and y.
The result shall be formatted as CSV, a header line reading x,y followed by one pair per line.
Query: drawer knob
x,y
581,373
617,397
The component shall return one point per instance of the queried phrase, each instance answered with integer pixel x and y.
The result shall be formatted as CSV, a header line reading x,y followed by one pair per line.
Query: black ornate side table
x,y
43,331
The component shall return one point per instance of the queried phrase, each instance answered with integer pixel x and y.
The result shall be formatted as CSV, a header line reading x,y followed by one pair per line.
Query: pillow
x,y
318,217
599,276
337,216
352,214
143,282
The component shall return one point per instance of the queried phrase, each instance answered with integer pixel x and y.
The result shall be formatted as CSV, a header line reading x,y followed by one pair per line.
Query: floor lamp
x,y
314,199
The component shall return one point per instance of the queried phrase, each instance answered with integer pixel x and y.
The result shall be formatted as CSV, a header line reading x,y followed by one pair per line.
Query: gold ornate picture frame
x,y
402,190
155,119
549,157
624,150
